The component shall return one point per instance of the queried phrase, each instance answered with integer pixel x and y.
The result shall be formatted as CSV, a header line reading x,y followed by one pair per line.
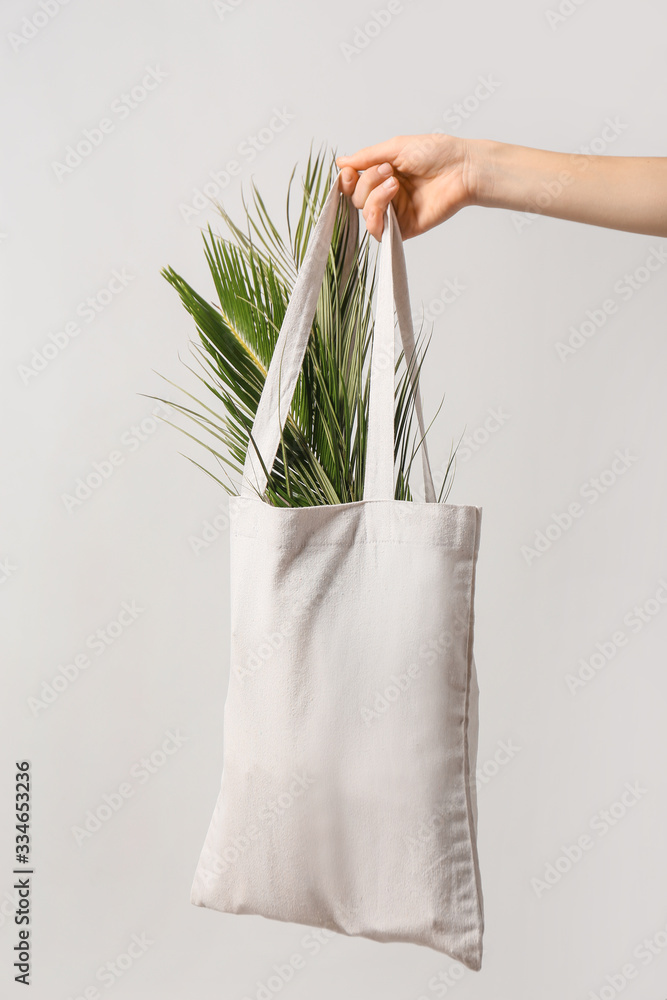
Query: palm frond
x,y
321,458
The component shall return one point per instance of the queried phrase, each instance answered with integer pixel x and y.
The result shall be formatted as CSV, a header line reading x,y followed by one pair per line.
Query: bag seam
x,y
466,759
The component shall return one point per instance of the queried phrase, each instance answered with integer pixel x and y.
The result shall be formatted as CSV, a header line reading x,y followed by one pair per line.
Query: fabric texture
x,y
348,797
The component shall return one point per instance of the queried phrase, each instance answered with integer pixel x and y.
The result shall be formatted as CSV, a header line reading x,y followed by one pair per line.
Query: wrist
x,y
485,166
518,178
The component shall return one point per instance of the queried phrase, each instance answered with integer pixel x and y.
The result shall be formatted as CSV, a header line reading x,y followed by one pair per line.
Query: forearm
x,y
618,192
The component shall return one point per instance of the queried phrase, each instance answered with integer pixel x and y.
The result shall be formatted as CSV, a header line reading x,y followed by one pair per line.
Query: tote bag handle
x,y
288,355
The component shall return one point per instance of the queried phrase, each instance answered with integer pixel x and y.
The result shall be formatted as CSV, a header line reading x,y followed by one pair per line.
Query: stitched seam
x,y
466,760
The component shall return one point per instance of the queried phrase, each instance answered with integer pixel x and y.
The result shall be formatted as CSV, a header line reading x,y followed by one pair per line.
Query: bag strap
x,y
392,290
290,349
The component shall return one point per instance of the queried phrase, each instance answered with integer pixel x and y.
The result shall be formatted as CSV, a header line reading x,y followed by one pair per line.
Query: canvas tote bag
x,y
348,797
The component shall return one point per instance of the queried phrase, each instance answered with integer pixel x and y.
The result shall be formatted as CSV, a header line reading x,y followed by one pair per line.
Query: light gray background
x,y
68,572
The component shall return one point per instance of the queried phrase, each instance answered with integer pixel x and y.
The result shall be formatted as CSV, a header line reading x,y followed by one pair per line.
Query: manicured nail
x,y
384,169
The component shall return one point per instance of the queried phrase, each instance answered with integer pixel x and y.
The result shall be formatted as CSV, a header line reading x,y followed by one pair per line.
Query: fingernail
x,y
384,169
389,183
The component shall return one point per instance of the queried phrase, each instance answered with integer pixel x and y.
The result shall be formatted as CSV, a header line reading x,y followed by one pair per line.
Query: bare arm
x,y
431,177
618,192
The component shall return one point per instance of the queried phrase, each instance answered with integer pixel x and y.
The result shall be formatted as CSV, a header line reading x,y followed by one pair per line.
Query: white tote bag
x,y
348,797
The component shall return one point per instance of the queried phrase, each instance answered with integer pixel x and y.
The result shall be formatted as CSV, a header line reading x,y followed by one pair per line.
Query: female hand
x,y
427,177
430,177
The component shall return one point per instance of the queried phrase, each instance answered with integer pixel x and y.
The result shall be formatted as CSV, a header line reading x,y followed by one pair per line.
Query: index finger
x,y
369,156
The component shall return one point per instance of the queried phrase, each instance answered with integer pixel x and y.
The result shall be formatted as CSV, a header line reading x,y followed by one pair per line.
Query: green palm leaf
x,y
321,458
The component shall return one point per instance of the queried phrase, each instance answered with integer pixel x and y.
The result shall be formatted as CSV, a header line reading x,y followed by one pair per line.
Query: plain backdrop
x,y
544,433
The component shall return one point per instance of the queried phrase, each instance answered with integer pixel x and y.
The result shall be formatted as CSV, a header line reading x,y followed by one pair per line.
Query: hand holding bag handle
x,y
290,349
